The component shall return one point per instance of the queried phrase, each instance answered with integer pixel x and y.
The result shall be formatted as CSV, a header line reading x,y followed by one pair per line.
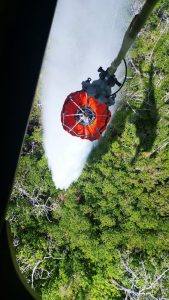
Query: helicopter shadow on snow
x,y
147,118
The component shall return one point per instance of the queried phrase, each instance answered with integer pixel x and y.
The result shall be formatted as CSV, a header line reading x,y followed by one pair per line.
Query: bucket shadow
x,y
147,118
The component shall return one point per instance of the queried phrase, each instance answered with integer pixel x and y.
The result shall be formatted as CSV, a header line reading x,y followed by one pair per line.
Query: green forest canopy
x,y
108,234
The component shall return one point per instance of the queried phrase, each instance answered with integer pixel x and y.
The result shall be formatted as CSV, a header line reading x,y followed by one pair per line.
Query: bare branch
x,y
33,272
150,282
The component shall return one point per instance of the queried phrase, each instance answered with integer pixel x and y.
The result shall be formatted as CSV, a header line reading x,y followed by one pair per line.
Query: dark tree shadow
x,y
147,118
